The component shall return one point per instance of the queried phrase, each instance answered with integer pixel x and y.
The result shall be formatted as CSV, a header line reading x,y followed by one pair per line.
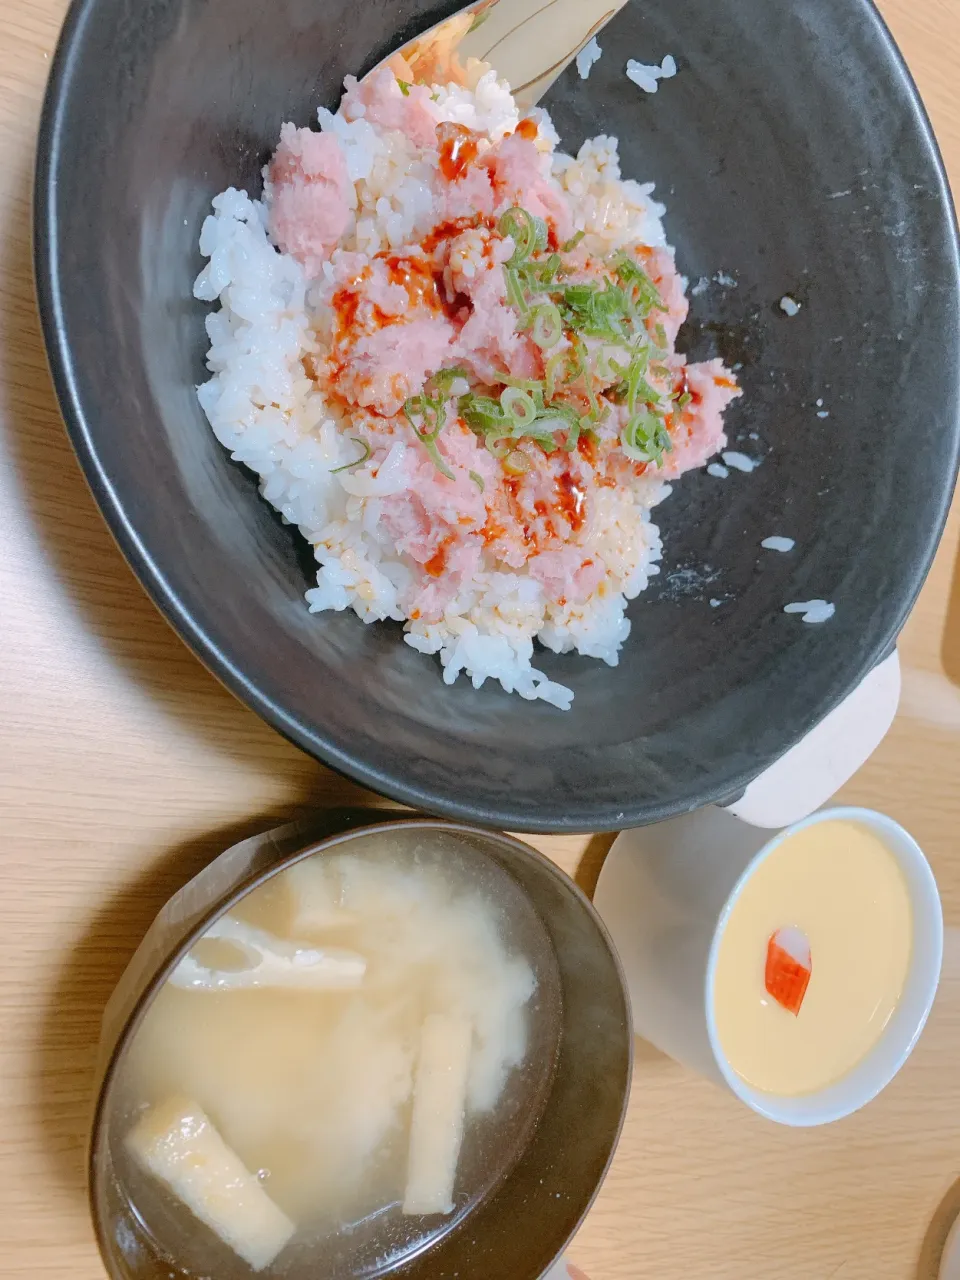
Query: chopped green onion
x,y
645,438
632,275
630,388
586,372
444,379
513,223
433,417
525,384
611,356
609,370
567,412
522,229
636,439
579,296
629,271
483,414
684,400
600,313
515,293
553,364
477,480
545,273
430,444
574,367
595,410
350,465
560,417
547,325
516,463
405,87
518,406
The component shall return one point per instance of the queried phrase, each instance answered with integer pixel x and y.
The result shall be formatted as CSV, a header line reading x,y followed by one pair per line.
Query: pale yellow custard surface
x,y
841,886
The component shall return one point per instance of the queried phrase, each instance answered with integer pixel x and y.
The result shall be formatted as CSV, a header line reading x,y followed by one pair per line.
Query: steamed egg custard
x,y
344,1064
812,959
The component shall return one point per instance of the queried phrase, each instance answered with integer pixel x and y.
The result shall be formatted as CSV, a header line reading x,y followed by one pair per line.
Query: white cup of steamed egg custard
x,y
796,970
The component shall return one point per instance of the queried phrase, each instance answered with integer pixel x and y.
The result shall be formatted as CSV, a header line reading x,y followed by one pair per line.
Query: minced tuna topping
x,y
448,350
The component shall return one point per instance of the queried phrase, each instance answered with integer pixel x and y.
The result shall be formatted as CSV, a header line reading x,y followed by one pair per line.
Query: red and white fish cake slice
x,y
788,969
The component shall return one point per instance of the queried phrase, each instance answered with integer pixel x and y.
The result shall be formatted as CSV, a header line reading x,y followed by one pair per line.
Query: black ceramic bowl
x,y
794,155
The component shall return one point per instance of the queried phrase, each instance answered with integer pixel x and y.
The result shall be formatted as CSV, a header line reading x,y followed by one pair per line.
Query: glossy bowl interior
x,y
524,1222
794,157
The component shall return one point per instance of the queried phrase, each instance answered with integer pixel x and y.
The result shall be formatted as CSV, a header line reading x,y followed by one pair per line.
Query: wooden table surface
x,y
124,767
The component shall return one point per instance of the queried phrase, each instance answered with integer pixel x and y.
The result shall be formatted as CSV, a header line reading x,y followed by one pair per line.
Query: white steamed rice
x,y
269,415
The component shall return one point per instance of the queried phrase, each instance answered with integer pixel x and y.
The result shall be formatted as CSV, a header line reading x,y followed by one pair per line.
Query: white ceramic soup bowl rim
x,y
879,1066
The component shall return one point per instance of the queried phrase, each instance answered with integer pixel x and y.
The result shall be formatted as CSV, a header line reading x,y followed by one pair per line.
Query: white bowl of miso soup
x,y
402,1050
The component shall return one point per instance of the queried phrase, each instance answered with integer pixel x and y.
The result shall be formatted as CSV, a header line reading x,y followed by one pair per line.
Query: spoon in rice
x,y
528,42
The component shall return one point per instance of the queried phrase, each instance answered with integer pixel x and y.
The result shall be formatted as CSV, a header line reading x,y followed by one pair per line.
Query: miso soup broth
x,y
346,1064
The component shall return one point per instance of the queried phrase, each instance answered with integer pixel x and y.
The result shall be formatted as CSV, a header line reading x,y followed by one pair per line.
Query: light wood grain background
x,y
124,767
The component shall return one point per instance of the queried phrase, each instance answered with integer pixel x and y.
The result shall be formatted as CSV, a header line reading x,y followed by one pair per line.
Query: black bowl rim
x,y
213,656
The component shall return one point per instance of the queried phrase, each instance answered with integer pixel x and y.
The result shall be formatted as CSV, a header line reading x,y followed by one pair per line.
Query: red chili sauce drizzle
x,y
437,563
459,148
418,278
570,501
